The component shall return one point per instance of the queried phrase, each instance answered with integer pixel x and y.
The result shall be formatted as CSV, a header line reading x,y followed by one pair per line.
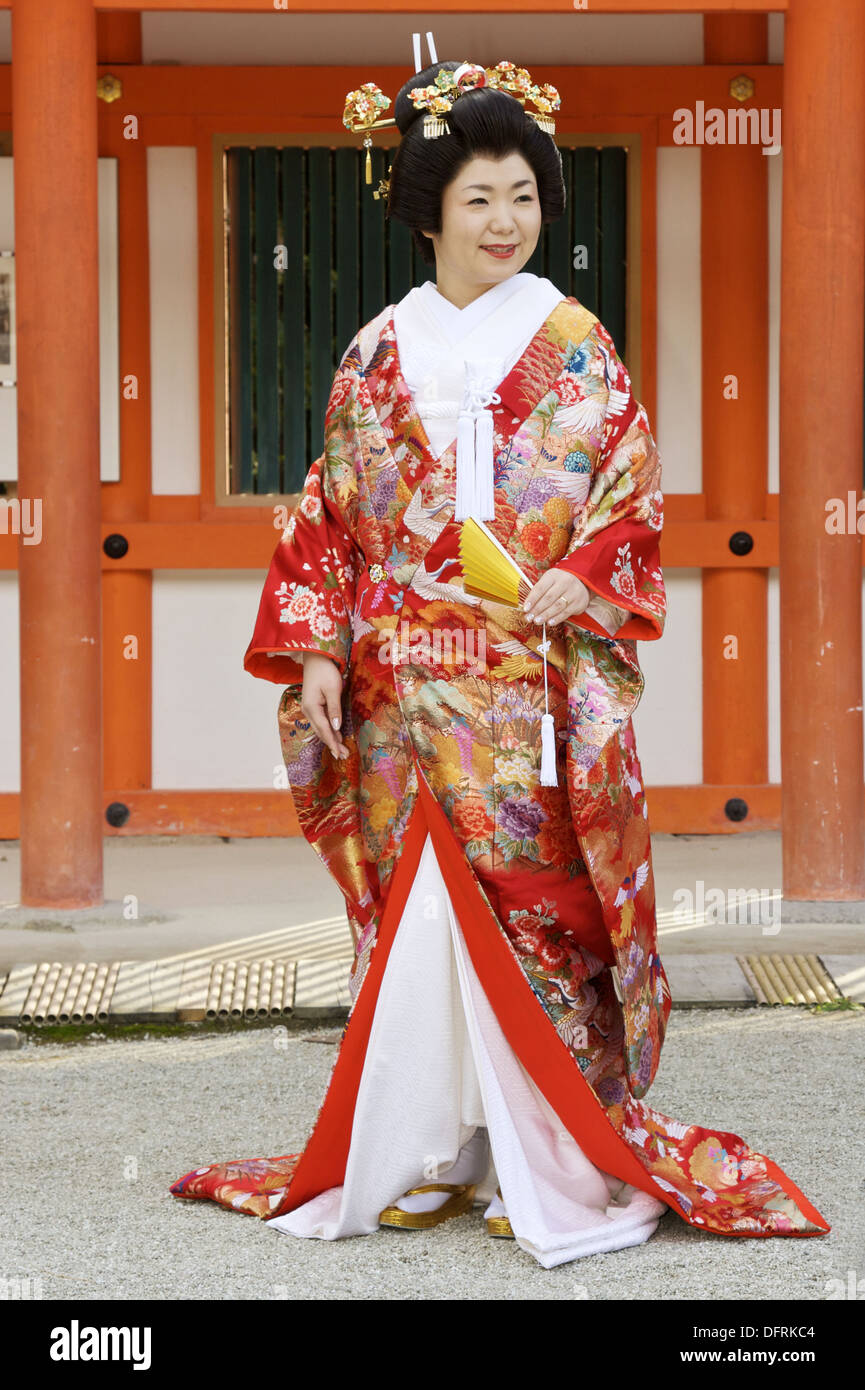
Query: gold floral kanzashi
x,y
363,106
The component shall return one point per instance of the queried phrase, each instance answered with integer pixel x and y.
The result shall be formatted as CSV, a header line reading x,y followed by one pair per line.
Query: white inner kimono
x,y
443,1097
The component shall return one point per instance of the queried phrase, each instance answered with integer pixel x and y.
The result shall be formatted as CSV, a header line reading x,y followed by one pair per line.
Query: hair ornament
x,y
363,107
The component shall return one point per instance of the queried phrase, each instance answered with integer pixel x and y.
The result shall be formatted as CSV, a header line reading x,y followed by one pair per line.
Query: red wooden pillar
x,y
55,150
823,242
735,333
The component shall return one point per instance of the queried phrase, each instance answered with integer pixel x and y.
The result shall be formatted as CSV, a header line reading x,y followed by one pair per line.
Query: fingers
x,y
548,602
333,708
322,722
320,703
553,609
556,597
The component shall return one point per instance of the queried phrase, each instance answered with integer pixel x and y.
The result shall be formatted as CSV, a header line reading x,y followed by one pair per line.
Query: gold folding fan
x,y
488,570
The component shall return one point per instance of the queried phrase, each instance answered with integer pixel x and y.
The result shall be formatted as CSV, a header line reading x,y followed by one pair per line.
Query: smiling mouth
x,y
500,246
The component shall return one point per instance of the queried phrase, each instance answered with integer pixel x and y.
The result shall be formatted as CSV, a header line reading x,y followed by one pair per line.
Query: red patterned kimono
x,y
442,701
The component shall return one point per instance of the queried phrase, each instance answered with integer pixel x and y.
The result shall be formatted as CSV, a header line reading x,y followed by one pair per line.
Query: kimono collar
x,y
435,337
456,323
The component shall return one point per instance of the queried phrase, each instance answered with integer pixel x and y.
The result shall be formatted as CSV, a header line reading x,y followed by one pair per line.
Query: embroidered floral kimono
x,y
490,911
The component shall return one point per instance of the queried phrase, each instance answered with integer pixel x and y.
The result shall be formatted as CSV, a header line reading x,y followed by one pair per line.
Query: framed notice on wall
x,y
8,372
109,319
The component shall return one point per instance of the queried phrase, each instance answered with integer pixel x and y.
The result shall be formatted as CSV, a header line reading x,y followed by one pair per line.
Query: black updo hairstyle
x,y
482,121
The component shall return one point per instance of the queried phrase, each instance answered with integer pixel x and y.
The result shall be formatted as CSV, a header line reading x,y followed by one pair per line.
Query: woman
x,y
487,1056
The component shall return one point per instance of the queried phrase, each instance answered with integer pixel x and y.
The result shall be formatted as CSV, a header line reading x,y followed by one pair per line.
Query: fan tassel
x,y
548,752
548,731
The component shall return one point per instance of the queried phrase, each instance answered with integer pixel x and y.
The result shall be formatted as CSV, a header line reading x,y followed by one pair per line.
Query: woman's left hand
x,y
556,596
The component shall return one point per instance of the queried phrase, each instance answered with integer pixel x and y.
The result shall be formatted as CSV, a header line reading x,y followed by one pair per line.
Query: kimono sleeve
x,y
309,594
615,545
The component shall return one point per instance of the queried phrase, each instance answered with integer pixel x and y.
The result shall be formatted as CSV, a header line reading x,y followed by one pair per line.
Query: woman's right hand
x,y
321,700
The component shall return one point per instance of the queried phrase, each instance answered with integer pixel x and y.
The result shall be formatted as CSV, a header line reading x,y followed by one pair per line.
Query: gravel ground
x,y
95,1132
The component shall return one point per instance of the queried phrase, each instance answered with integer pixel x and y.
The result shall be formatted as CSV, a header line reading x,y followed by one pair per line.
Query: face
x,y
490,203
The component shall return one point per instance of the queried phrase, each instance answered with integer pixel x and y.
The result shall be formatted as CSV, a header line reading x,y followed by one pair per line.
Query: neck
x,y
460,292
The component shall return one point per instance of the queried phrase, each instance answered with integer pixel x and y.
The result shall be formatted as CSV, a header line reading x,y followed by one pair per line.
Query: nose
x,y
502,220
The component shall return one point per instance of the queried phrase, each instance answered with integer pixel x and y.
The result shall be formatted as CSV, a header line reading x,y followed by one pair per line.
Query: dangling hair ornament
x,y
363,106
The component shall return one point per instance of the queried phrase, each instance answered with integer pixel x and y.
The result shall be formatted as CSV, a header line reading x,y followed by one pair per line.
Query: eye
x,y
483,200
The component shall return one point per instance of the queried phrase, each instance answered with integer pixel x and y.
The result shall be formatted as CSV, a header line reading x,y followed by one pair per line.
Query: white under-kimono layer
x,y
442,1091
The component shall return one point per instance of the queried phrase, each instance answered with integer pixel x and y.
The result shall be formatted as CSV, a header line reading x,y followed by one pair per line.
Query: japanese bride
x,y
465,767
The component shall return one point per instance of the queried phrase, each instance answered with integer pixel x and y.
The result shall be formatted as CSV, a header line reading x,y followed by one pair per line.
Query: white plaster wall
x,y
668,719
677,426
172,214
213,724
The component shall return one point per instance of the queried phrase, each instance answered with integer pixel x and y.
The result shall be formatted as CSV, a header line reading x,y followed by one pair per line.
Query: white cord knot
x,y
478,398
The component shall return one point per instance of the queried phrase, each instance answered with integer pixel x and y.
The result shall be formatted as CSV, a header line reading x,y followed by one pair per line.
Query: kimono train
x,y
487,1042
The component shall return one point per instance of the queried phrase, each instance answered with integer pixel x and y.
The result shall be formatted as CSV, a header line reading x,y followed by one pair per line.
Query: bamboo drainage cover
x,y
94,991
797,979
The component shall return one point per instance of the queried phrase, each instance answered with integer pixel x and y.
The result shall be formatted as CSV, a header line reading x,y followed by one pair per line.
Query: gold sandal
x,y
460,1202
499,1225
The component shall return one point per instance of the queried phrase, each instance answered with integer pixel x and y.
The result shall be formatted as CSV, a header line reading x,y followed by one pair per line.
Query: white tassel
x,y
548,752
465,502
475,472
548,730
484,499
